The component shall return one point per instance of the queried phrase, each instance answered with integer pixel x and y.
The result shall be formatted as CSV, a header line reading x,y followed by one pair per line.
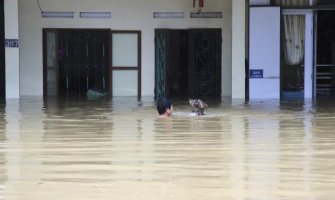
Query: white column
x,y
308,79
238,49
12,53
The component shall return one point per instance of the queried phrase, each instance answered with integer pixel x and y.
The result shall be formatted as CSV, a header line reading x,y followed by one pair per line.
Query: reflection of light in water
x,y
120,149
12,158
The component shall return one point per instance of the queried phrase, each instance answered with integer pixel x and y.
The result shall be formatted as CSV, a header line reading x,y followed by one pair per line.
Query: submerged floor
x,y
103,149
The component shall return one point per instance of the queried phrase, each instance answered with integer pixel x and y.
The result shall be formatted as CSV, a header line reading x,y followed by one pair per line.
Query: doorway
x,y
325,54
293,57
75,61
188,63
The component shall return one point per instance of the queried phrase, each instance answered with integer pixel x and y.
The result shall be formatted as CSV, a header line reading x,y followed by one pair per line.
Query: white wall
x,y
126,15
12,53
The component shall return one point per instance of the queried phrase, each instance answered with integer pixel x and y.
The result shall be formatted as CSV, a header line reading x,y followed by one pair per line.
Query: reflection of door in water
x,y
188,63
81,62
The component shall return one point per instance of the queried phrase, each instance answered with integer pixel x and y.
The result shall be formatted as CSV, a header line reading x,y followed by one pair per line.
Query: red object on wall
x,y
200,2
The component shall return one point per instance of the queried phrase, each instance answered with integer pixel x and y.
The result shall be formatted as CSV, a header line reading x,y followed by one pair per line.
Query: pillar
x,y
238,49
308,69
12,49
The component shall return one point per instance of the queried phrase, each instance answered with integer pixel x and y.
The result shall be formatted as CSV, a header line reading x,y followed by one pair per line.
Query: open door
x,y
161,62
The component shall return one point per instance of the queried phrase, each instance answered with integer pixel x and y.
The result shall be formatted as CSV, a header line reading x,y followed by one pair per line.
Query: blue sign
x,y
256,73
11,43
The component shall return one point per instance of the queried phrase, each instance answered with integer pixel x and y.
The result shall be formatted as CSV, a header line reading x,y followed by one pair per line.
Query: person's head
x,y
164,107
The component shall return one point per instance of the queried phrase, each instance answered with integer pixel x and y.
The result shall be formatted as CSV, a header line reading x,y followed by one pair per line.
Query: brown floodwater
x,y
119,149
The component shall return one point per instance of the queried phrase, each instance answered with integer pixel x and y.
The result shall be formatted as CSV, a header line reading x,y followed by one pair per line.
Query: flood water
x,y
119,149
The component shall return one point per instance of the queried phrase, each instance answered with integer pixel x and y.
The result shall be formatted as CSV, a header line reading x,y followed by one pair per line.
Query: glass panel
x,y
125,83
51,49
124,49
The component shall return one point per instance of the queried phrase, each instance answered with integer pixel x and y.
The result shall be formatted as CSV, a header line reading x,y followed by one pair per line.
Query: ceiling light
x,y
56,14
95,15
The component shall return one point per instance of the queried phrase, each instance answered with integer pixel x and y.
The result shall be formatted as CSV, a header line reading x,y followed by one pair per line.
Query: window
x,y
126,63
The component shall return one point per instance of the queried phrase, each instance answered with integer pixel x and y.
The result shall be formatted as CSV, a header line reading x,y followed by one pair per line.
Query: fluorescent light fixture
x,y
56,14
95,15
206,15
168,14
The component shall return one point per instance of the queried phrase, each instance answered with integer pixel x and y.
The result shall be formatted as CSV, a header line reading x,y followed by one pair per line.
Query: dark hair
x,y
163,104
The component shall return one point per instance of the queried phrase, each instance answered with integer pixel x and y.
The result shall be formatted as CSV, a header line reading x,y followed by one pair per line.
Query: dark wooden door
x,y
205,63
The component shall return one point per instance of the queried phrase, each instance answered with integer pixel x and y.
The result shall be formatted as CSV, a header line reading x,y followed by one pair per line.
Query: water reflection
x,y
119,149
3,170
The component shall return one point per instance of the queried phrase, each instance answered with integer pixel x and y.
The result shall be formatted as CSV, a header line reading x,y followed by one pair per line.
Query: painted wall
x,y
126,15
